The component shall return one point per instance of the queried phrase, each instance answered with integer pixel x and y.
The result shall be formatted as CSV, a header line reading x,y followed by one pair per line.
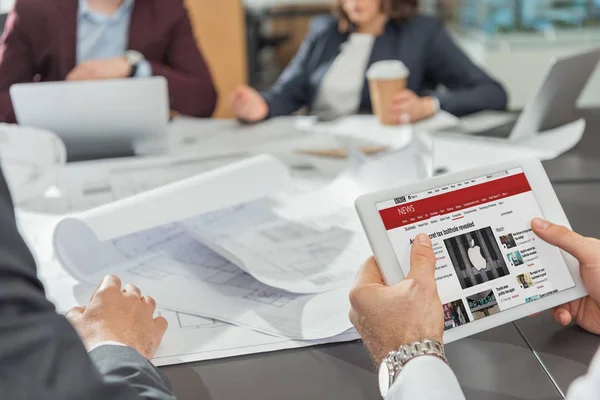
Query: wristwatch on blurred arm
x,y
392,365
134,58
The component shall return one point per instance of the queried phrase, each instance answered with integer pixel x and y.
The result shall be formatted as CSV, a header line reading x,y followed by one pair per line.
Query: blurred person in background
x,y
328,75
77,40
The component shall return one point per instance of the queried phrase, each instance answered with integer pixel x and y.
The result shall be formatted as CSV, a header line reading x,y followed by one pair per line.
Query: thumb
x,y
422,259
586,250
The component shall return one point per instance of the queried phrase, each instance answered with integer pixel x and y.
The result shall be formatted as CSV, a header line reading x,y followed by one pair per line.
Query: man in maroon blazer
x,y
105,39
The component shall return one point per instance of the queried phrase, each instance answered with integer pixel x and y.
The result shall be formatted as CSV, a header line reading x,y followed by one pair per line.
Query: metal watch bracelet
x,y
423,348
396,360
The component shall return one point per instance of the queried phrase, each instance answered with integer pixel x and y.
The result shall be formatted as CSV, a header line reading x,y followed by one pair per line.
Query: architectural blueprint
x,y
185,275
191,338
302,254
188,338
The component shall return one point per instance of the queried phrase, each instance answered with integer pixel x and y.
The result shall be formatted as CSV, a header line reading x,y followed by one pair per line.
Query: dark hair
x,y
396,10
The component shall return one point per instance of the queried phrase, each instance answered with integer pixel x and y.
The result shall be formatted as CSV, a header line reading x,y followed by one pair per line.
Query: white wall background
x,y
520,61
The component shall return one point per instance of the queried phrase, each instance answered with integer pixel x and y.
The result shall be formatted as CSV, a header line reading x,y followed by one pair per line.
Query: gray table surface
x,y
495,365
582,163
567,352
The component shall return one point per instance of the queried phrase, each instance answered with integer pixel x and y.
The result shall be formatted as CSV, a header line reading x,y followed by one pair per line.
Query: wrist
x,y
93,337
105,343
124,67
394,363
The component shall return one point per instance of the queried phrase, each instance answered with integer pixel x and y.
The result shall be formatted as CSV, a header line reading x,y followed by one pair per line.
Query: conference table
x,y
531,359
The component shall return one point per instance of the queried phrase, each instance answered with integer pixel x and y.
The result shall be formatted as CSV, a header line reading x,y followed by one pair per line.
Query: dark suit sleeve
x,y
119,364
468,89
291,91
41,355
16,65
191,88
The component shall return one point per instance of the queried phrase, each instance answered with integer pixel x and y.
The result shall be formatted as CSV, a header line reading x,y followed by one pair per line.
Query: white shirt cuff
x,y
436,104
587,386
144,70
105,343
426,378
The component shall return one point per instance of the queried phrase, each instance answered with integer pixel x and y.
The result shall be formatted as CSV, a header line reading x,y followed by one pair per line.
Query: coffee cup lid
x,y
388,69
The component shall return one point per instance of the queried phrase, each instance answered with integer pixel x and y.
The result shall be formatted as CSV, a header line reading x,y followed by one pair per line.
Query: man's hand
x,y
408,107
248,105
389,317
120,315
585,312
111,68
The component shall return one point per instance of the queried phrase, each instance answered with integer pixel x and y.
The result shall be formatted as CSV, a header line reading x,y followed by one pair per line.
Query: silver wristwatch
x,y
134,58
396,360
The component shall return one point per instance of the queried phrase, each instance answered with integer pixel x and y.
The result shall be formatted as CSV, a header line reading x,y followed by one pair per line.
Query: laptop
x,y
98,118
555,101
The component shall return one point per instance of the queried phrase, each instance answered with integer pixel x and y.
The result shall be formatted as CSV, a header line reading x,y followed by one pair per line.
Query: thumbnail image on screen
x,y
455,314
483,304
508,241
525,281
515,259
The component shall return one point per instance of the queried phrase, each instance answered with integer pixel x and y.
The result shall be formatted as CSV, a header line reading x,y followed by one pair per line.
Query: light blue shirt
x,y
102,36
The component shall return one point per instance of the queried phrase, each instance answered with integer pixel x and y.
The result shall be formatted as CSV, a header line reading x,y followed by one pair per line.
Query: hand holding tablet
x,y
491,267
584,311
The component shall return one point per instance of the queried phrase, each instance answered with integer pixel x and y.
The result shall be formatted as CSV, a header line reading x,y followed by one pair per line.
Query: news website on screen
x,y
488,258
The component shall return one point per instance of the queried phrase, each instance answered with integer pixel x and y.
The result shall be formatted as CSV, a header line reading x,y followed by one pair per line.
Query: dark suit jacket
x,y
421,43
40,44
41,356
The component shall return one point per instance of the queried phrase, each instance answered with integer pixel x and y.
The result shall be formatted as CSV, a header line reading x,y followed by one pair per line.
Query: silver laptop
x,y
555,101
98,118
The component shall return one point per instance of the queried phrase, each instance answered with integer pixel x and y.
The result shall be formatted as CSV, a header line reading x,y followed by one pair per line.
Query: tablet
x,y
491,268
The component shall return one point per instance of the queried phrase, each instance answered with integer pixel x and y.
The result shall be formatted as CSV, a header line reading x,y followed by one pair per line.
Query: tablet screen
x,y
488,259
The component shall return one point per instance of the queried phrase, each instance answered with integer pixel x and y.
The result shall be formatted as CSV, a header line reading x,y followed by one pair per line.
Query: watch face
x,y
384,378
134,57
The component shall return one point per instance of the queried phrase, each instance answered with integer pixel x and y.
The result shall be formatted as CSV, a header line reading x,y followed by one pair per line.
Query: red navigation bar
x,y
458,200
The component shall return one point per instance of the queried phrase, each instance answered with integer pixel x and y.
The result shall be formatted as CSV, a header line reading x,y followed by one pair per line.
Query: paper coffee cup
x,y
386,79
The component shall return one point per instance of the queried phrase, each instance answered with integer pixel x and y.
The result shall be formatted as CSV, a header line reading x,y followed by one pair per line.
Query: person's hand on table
x,y
119,315
111,68
248,105
585,312
408,108
389,317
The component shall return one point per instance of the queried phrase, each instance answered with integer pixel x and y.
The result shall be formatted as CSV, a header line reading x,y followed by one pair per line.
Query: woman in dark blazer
x,y
441,75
